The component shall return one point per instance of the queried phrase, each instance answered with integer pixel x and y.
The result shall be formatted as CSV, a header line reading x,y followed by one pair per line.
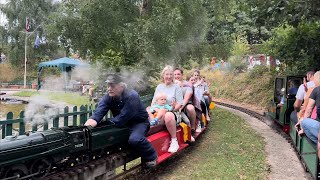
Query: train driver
x,y
128,110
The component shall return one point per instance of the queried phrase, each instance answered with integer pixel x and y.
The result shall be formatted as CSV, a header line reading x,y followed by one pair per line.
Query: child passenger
x,y
161,103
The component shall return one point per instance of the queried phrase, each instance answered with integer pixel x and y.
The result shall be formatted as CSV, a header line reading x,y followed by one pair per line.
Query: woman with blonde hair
x,y
175,99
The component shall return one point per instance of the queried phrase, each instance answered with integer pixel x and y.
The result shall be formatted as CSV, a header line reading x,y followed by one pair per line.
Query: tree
x,y
137,31
37,13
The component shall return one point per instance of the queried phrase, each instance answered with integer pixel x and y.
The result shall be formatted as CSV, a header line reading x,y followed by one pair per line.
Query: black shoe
x,y
151,164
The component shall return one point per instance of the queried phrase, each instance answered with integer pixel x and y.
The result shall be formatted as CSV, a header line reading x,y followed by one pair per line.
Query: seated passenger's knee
x,y
305,123
135,141
169,116
190,108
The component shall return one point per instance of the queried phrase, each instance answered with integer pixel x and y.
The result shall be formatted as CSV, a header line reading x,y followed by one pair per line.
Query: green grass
x,y
26,93
68,97
229,149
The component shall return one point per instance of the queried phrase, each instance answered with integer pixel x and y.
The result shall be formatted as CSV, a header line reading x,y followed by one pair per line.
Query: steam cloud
x,y
40,109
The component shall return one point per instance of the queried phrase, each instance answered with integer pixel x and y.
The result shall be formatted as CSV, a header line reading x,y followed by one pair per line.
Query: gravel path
x,y
281,157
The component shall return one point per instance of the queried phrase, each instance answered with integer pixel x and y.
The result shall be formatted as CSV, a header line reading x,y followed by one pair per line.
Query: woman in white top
x,y
175,99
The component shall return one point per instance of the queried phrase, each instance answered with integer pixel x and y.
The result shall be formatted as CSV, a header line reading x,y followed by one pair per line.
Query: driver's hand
x,y
91,122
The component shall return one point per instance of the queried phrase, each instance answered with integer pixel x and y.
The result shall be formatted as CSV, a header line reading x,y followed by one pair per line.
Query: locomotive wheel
x,y
17,171
41,166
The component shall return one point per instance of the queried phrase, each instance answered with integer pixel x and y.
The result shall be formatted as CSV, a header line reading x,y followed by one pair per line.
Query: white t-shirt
x,y
301,92
173,92
200,89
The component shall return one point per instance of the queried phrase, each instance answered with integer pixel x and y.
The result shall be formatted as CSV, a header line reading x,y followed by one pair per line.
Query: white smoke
x,y
135,79
53,83
40,110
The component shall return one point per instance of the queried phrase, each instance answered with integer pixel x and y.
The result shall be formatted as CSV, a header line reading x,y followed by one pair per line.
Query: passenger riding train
x,y
35,154
279,110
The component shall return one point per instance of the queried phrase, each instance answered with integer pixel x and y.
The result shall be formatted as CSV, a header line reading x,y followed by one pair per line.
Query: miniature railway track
x,y
261,117
272,124
71,173
102,168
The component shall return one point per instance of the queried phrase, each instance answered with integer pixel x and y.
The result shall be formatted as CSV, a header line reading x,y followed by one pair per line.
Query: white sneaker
x,y
192,139
174,146
208,118
199,128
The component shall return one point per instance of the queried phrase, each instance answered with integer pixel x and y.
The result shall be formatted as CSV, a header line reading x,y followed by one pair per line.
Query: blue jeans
x,y
139,142
311,128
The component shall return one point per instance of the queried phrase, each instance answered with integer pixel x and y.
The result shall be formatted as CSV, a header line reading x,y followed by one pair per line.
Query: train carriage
x,y
305,148
283,86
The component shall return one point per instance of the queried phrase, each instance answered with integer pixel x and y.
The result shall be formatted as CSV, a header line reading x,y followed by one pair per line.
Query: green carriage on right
x,y
280,109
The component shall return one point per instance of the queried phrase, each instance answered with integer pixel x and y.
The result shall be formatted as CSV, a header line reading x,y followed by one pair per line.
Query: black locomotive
x,y
34,155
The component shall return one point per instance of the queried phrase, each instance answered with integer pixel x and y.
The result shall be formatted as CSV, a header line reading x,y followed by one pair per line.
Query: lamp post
x,y
25,62
25,55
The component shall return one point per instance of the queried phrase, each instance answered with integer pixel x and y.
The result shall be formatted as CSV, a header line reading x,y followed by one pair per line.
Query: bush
x,y
236,64
258,71
9,73
254,87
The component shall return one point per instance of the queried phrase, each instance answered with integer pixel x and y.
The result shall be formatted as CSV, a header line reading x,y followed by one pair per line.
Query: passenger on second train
x,y
175,99
301,93
310,126
303,108
187,106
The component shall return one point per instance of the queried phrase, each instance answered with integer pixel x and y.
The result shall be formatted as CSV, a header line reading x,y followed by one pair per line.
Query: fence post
x,y
90,110
9,126
3,131
86,114
65,118
56,121
83,110
22,126
45,125
34,126
74,117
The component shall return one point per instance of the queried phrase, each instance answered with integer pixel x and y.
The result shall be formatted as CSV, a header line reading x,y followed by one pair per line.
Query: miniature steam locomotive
x,y
34,155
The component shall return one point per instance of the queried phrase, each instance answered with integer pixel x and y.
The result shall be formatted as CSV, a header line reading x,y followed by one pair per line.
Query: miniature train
x,y
36,153
306,149
33,155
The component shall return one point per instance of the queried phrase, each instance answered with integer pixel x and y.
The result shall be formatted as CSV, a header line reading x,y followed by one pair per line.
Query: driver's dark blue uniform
x,y
128,110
